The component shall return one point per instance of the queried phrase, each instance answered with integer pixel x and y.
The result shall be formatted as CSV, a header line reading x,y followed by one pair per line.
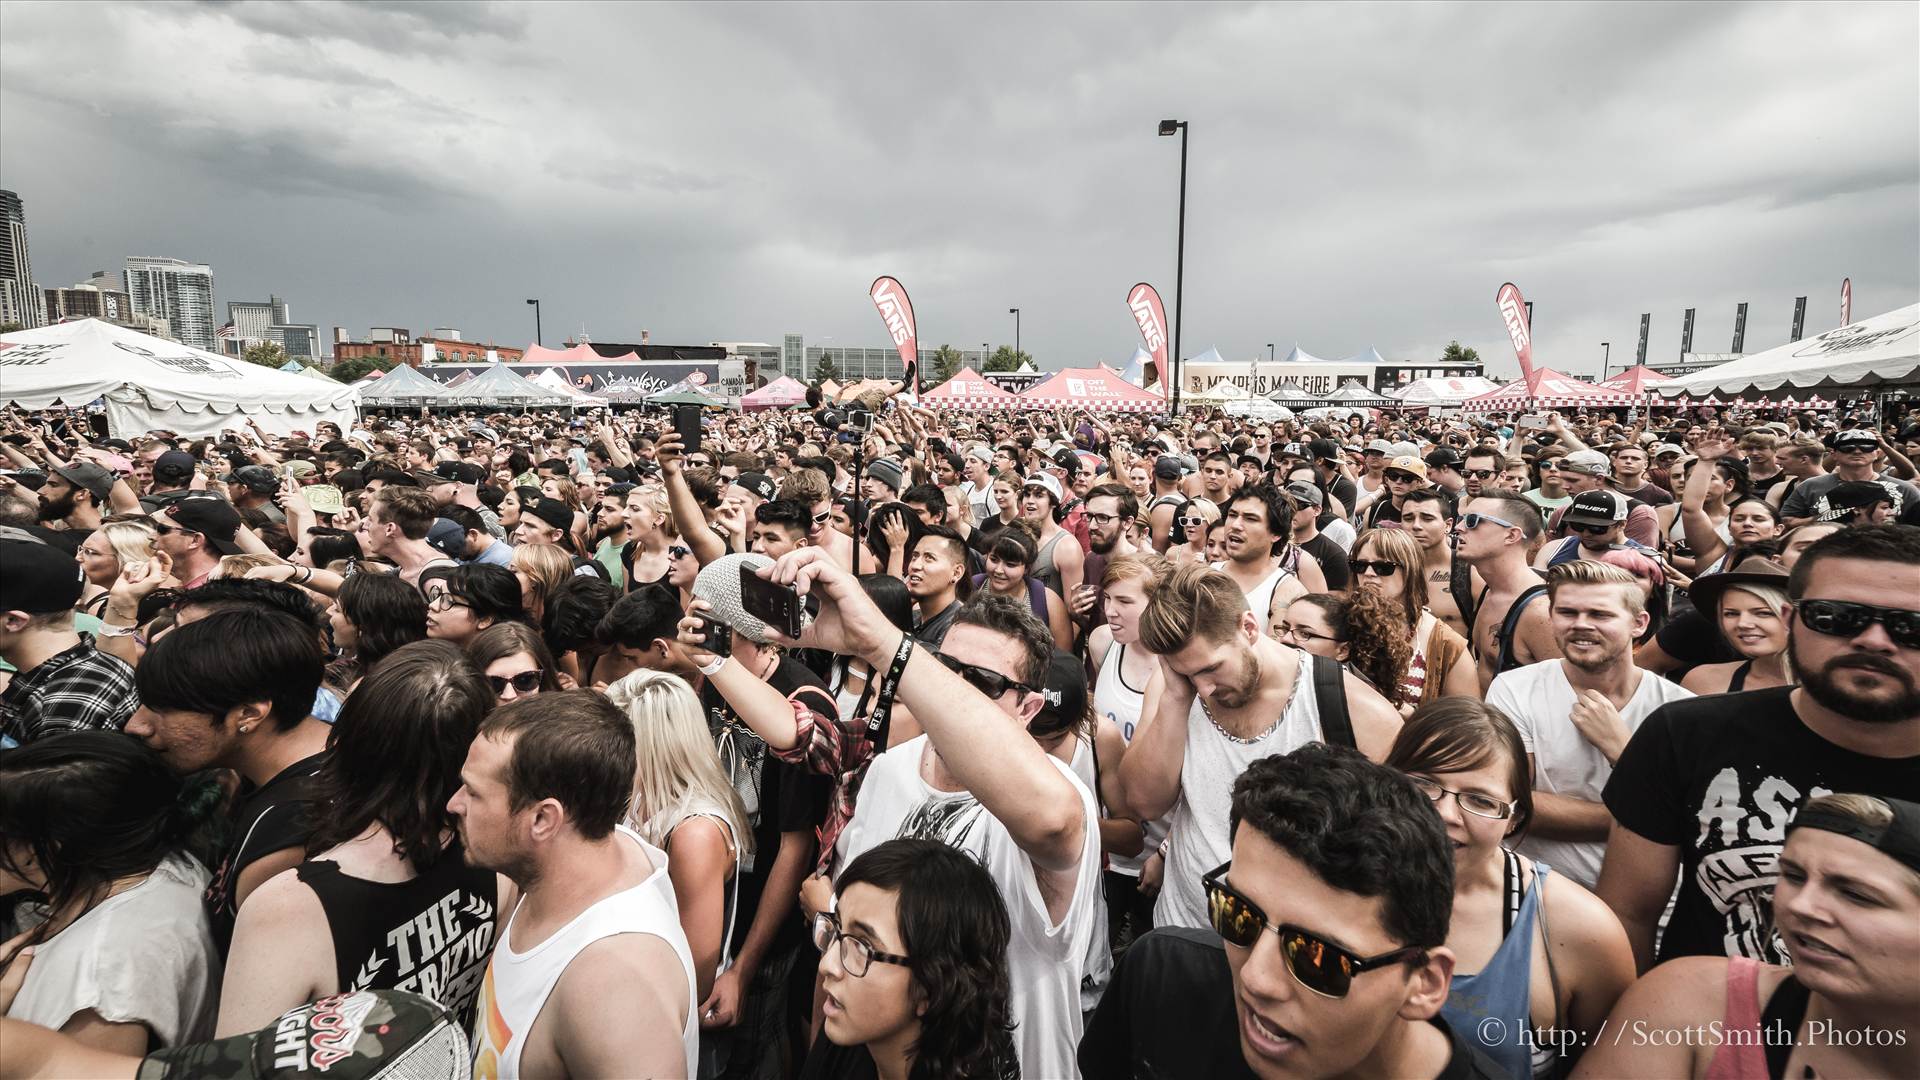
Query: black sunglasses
x,y
986,680
1480,474
1315,963
1395,476
1586,529
1380,567
524,683
1838,618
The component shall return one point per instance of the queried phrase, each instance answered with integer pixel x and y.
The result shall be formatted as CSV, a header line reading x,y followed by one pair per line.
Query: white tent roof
x,y
1258,408
500,386
1211,356
149,383
400,386
1301,356
1444,391
1222,390
1881,351
551,379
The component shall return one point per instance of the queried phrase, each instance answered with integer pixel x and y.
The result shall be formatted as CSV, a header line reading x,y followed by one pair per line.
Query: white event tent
x,y
149,384
1883,351
400,387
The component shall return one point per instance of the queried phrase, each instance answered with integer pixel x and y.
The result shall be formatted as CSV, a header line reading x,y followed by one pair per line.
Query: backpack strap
x,y
1330,694
1503,660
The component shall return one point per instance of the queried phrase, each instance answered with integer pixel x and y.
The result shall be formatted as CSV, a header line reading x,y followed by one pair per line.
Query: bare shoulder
x,y
622,1006
1376,723
1691,987
283,902
1579,921
1709,678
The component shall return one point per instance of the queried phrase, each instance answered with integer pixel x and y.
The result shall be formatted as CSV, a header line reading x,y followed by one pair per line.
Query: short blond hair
x,y
1592,572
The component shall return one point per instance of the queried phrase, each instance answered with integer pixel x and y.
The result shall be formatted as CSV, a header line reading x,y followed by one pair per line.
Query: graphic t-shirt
x,y
1719,777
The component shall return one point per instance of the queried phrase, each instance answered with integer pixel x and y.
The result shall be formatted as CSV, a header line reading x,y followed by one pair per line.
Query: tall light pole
x,y
1269,352
1169,127
1606,358
536,322
1015,312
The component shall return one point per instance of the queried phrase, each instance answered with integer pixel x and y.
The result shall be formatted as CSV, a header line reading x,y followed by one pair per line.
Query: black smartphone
x,y
718,636
686,423
774,604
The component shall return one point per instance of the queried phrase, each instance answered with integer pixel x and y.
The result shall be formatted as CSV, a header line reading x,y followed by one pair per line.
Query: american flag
x,y
225,331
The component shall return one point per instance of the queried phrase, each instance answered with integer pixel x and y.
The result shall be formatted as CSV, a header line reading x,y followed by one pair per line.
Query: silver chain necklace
x,y
1300,668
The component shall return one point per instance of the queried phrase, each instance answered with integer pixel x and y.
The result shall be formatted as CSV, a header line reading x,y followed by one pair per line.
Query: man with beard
x,y
1108,509
1705,788
610,532
1576,713
74,496
1230,696
1481,471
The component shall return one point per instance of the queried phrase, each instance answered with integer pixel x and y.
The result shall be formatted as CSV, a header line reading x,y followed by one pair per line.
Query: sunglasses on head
x,y
986,680
1380,567
525,682
1319,965
1838,618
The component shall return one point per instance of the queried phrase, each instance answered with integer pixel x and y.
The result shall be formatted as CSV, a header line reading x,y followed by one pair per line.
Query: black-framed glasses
x,y
1588,529
856,956
1301,636
1472,802
526,682
1324,967
1380,567
1839,618
444,601
986,680
1102,520
1395,476
1470,522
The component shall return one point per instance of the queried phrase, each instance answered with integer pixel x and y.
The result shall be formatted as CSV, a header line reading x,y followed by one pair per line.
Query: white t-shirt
x,y
1045,959
145,955
1539,699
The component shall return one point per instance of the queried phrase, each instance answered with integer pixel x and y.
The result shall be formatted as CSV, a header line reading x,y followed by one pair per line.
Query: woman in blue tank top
x,y
1538,960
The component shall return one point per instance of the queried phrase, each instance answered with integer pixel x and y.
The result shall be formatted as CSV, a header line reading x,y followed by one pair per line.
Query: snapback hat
x,y
1063,696
1856,439
257,478
213,518
448,538
174,467
1899,838
552,511
1587,463
718,583
1045,482
1378,446
1445,457
90,477
1168,467
324,498
1662,449
460,472
1306,493
1408,464
362,1035
38,578
760,484
1847,496
1596,508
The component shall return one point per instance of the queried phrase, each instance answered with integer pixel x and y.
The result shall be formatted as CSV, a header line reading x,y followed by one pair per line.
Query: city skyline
x,y
1359,177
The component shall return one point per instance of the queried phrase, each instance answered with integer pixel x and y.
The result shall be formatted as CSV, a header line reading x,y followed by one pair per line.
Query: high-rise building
x,y
89,301
177,291
250,318
20,300
300,340
854,362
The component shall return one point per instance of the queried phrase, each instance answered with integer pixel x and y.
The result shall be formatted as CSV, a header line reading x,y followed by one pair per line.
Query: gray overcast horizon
x,y
1359,175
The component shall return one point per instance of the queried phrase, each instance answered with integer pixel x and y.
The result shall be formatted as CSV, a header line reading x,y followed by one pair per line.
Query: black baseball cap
x,y
257,478
212,518
1443,458
460,472
759,483
174,467
1596,508
552,511
38,579
88,476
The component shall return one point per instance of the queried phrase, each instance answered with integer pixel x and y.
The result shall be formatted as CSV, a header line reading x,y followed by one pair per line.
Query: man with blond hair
x,y
1230,696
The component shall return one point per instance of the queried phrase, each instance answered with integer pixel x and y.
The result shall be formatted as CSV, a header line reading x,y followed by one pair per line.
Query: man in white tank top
x,y
592,975
1258,525
1230,696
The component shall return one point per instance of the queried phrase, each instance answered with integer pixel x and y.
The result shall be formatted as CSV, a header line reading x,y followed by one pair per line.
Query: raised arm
x,y
688,519
1150,773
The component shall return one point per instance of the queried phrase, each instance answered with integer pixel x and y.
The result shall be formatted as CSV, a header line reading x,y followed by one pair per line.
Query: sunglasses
x,y
1585,529
1314,962
1395,476
1838,618
1480,474
986,680
1193,522
1380,567
1470,522
525,682
822,519
1472,802
678,552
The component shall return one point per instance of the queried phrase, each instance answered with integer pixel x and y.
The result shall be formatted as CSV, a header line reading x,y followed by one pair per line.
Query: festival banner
x,y
1150,315
1739,329
890,297
1846,301
1514,310
1799,318
1646,325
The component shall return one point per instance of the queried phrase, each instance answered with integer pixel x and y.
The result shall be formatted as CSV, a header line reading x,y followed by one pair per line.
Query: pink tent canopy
x,y
1099,389
579,354
967,390
781,393
1635,380
1548,389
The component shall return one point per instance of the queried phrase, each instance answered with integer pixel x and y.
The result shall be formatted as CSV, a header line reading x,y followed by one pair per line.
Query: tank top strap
x,y
1037,597
1740,1058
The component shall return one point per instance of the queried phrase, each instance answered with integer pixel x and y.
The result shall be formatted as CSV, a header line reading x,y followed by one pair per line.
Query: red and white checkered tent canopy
x,y
1635,380
967,390
1096,389
1548,389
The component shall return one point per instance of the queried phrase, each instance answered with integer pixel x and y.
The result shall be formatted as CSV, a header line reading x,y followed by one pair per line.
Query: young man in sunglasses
x,y
1596,522
1403,475
1588,470
1705,787
1481,470
1323,952
1509,629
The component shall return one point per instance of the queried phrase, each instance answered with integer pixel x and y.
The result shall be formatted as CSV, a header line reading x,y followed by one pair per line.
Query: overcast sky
x,y
1358,175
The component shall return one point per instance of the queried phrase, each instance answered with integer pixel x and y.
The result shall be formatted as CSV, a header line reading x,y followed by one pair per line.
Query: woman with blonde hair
x,y
1749,604
1388,562
684,805
1196,518
650,533
115,546
542,569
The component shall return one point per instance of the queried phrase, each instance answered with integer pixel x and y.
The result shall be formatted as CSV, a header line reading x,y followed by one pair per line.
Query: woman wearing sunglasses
x,y
1191,525
515,661
913,969
1532,950
1389,562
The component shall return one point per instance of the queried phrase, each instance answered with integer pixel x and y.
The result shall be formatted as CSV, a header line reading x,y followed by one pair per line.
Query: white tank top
x,y
1260,597
518,983
1198,840
1121,704
1099,963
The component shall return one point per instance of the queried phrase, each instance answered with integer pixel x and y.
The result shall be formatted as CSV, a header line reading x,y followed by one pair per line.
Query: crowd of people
x,y
866,740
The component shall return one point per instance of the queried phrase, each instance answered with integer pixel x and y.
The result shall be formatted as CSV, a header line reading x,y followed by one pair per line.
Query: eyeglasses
x,y
986,680
1314,962
1101,519
1585,529
1838,618
1480,474
1380,567
526,682
855,955
1470,522
1395,476
1472,802
1300,635
443,601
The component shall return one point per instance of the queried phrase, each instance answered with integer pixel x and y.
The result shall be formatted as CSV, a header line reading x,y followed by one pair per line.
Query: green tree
x,y
1005,359
1456,353
10,327
946,364
825,369
264,353
358,367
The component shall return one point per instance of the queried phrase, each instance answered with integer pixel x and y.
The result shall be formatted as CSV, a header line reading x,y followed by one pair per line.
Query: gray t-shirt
x,y
1809,497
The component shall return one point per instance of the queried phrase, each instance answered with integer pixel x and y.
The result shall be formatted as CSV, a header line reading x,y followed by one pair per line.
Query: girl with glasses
x,y
1534,951
1360,631
464,600
913,969
1388,563
515,661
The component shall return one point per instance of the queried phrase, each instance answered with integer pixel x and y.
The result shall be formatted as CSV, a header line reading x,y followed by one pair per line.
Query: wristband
x,y
712,668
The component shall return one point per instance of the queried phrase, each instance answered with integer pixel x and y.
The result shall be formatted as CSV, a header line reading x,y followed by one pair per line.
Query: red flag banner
x,y
1151,316
1513,309
897,312
1846,301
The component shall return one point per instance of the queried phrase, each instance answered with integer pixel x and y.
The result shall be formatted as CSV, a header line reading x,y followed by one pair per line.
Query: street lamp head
x,y
1013,311
533,301
1170,127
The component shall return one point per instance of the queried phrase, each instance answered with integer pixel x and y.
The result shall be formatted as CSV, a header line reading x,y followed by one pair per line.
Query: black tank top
x,y
431,936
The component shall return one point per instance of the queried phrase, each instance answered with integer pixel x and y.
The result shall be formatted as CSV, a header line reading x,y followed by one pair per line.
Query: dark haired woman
x,y
515,661
891,533
321,547
1010,553
123,954
464,600
373,615
385,899
1532,950
913,967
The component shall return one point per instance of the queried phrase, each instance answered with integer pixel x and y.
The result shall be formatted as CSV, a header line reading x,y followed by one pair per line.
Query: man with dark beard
x,y
1705,787
1109,508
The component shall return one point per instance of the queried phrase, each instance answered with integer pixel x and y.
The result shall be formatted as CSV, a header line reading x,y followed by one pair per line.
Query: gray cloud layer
x,y
1359,174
